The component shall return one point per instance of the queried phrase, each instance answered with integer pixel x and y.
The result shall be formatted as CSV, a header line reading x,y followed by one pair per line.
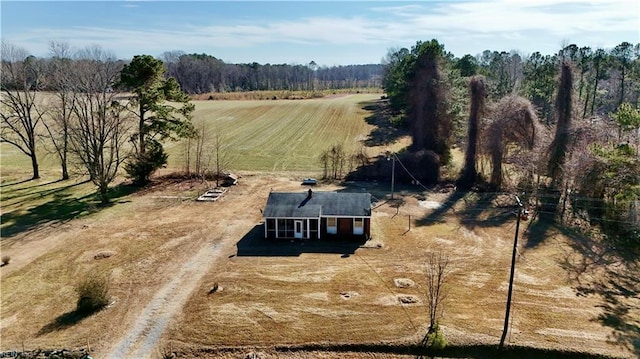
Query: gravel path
x,y
142,340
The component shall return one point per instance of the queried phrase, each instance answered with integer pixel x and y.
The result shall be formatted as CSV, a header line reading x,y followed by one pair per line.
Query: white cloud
x,y
463,26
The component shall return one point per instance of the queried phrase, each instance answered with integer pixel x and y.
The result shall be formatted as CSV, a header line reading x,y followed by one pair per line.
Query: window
x,y
358,226
332,225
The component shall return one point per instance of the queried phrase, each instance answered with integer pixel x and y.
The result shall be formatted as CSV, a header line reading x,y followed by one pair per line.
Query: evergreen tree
x,y
162,109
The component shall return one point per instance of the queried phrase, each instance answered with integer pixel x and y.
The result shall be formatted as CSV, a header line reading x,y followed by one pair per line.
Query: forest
x,y
562,129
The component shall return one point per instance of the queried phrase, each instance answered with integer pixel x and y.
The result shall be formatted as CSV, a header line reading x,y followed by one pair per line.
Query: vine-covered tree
x,y
163,112
564,113
513,121
478,94
427,110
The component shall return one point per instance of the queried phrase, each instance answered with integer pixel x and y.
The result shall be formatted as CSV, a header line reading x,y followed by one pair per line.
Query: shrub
x,y
141,166
93,293
5,260
436,340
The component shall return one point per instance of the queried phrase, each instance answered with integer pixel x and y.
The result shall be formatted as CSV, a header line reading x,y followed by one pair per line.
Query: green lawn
x,y
280,135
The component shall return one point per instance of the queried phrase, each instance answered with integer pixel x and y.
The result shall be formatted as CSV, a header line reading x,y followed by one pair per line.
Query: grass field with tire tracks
x,y
280,135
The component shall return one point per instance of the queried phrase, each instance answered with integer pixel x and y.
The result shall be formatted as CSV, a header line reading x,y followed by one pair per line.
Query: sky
x,y
327,32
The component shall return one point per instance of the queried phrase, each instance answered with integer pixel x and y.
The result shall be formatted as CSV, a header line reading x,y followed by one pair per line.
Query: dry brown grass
x,y
298,299
291,299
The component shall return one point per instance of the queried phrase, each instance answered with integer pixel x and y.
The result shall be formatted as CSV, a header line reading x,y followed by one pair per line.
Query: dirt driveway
x,y
224,222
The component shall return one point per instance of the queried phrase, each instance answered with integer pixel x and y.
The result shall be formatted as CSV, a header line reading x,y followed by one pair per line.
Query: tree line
x,y
202,73
564,128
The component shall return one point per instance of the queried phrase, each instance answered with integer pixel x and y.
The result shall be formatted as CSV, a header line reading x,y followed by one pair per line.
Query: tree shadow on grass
x,y
65,321
385,131
437,216
487,209
9,184
63,206
617,286
599,269
23,194
616,315
619,290
541,227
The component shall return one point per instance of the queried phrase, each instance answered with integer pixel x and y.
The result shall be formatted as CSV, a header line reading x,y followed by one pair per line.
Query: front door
x,y
297,232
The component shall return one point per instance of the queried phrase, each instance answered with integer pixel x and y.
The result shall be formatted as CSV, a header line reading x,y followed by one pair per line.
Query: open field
x,y
163,252
282,135
166,253
277,135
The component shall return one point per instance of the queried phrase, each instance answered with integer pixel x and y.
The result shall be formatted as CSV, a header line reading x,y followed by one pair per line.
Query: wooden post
x,y
393,173
409,222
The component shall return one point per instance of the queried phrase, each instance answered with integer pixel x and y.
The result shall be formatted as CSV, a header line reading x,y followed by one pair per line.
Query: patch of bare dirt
x,y
348,295
408,299
403,282
104,254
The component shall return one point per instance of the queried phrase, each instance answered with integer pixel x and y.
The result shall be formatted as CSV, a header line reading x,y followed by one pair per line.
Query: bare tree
x,y
200,164
99,129
186,153
221,155
333,161
437,275
208,152
359,159
324,161
338,158
22,77
61,106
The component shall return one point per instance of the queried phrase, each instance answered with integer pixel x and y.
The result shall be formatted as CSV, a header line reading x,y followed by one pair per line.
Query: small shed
x,y
315,215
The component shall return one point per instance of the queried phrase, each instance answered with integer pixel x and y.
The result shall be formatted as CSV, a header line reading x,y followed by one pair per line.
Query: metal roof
x,y
327,204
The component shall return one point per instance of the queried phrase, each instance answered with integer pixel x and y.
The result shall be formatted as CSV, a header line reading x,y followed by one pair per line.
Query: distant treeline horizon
x,y
202,73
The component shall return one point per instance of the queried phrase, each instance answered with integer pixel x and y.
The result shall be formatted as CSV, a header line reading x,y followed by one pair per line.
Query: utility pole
x,y
513,271
392,156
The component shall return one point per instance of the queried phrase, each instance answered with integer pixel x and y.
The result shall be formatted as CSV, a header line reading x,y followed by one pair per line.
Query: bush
x,y
436,340
141,166
93,293
5,260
